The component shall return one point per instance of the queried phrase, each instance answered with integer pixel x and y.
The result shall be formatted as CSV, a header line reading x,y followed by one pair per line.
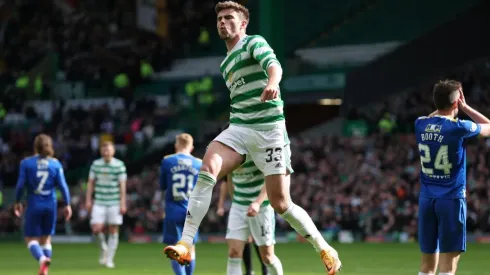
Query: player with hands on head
x,y
441,139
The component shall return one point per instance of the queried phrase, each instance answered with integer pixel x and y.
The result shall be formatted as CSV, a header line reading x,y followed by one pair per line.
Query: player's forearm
x,y
229,186
123,193
222,195
19,191
65,193
262,196
476,116
19,188
275,75
90,190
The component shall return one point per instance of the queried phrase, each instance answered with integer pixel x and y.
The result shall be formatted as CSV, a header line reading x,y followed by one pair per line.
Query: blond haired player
x,y
257,128
107,178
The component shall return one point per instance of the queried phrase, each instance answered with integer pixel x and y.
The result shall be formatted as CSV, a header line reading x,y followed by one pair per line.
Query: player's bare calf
x,y
280,198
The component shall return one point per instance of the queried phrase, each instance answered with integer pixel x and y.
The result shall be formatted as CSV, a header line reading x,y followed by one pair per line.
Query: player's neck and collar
x,y
183,152
232,43
445,114
108,160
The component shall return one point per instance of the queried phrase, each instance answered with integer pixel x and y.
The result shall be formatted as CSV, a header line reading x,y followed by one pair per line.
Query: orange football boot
x,y
331,260
179,252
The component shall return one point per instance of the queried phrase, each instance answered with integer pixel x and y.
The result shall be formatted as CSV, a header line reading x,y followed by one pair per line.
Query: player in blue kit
x,y
441,141
39,175
178,176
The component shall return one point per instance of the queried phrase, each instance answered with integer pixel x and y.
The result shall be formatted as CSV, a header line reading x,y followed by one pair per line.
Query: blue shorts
x,y
442,225
40,221
172,230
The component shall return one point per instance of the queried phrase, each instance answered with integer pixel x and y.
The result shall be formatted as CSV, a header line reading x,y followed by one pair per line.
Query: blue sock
x,y
178,269
189,269
36,250
47,250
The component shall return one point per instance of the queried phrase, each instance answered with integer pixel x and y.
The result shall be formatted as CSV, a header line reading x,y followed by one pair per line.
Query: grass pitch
x,y
297,259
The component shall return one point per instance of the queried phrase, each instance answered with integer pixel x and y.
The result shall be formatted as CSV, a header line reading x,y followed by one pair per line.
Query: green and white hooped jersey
x,y
247,182
107,177
245,72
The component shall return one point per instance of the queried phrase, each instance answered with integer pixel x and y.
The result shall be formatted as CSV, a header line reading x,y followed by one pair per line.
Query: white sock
x,y
198,206
275,267
302,223
234,266
102,242
445,273
112,245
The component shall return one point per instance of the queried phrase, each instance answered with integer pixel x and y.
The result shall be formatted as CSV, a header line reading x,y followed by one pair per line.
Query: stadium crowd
x,y
367,184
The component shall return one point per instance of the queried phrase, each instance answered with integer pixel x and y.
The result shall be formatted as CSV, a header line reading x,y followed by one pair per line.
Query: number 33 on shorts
x,y
273,154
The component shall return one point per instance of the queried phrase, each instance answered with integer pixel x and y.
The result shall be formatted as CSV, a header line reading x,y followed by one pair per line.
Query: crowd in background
x,y
77,133
367,184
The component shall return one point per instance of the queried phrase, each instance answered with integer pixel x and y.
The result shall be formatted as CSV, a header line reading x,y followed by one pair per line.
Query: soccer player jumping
x,y
40,175
441,140
257,128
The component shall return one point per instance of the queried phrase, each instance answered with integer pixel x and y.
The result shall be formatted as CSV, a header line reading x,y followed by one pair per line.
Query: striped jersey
x,y
107,177
245,72
247,182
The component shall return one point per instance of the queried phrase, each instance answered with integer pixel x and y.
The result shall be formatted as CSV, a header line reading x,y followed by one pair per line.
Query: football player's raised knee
x,y
209,167
280,204
278,193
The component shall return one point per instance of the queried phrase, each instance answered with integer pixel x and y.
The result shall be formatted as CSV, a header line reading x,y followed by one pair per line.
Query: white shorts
x,y
262,227
269,149
102,214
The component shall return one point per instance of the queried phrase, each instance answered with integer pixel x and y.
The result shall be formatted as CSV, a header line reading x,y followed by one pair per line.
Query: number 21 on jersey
x,y
441,161
181,181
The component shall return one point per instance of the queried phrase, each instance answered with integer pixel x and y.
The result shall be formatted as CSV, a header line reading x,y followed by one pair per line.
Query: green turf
x,y
297,259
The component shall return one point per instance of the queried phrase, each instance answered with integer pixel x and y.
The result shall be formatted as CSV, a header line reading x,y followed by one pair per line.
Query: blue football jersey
x,y
40,177
441,142
178,176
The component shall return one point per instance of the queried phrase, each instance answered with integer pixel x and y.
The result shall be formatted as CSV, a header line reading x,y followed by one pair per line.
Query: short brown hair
x,y
445,93
234,6
43,145
184,140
